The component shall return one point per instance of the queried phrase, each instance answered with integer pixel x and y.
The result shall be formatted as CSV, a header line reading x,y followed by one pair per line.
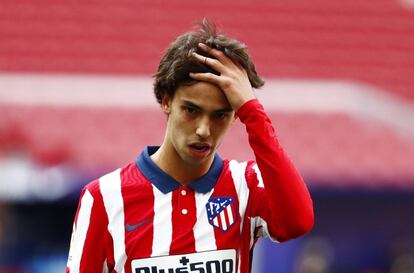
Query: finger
x,y
206,77
218,54
213,63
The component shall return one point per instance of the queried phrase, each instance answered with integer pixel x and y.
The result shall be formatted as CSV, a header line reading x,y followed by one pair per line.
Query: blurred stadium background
x,y
76,102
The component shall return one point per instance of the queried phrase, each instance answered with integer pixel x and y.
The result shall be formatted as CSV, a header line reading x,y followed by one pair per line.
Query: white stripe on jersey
x,y
203,231
259,175
80,230
162,236
239,179
110,186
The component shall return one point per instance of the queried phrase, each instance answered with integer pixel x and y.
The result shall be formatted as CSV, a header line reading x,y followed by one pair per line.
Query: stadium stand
x,y
359,40
352,41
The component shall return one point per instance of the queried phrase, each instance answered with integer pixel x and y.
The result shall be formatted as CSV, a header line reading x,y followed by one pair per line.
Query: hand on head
x,y
233,78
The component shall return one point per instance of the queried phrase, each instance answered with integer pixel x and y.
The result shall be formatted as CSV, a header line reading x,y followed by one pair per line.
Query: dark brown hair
x,y
177,63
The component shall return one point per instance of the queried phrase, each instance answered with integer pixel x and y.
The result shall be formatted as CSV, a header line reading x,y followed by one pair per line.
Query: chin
x,y
199,161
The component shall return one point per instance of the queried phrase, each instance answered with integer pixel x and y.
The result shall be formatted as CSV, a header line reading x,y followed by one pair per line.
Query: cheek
x,y
180,127
220,130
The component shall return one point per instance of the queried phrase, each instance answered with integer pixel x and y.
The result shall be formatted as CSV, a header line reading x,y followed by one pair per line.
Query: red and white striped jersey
x,y
138,219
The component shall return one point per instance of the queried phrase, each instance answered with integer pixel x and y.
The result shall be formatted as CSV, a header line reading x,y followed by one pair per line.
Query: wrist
x,y
247,106
242,102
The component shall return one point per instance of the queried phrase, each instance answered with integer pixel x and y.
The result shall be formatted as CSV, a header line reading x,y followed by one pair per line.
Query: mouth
x,y
200,149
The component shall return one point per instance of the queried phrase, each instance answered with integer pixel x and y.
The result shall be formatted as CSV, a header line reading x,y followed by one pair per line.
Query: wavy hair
x,y
177,63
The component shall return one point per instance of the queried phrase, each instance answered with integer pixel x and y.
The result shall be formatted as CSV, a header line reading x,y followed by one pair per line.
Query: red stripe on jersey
x,y
183,220
110,260
225,188
138,197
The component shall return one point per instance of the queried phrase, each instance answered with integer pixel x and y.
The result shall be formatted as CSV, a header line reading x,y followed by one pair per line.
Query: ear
x,y
166,104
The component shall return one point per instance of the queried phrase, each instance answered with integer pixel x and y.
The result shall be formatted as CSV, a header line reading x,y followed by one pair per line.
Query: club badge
x,y
221,212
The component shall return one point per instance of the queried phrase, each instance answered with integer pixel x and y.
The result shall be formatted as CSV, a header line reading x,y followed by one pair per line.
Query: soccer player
x,y
180,207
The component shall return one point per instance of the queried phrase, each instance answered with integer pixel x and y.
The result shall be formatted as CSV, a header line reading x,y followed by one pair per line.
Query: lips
x,y
200,149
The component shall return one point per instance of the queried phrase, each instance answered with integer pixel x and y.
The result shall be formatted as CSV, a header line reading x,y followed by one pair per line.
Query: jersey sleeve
x,y
87,253
280,204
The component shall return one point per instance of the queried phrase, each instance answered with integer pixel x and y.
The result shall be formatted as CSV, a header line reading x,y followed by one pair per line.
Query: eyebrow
x,y
191,104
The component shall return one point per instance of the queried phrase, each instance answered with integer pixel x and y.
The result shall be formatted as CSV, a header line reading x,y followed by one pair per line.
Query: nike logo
x,y
133,227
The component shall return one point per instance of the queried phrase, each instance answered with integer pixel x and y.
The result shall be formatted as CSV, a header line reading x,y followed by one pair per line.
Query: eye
x,y
190,110
221,115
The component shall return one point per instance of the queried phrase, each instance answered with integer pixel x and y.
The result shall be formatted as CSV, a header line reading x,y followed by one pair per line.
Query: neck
x,y
168,160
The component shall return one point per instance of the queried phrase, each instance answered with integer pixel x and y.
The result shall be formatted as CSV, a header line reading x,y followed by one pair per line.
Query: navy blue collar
x,y
166,183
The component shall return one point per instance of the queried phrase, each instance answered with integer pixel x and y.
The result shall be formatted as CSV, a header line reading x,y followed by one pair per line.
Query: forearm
x,y
288,197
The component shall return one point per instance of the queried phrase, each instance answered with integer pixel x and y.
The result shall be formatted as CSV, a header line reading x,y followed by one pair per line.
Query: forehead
x,y
205,95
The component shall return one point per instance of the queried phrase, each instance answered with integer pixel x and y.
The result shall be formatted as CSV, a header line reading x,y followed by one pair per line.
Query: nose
x,y
203,128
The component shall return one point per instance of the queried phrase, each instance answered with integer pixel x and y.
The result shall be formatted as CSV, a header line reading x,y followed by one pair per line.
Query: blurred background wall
x,y
76,102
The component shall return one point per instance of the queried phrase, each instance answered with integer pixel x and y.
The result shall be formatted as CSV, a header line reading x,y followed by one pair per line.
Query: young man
x,y
180,208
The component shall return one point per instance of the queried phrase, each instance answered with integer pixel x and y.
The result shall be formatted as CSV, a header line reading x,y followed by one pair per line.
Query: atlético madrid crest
x,y
221,212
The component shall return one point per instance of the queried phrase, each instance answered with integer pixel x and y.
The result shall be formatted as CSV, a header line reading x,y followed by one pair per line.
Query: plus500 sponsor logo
x,y
215,266
216,261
